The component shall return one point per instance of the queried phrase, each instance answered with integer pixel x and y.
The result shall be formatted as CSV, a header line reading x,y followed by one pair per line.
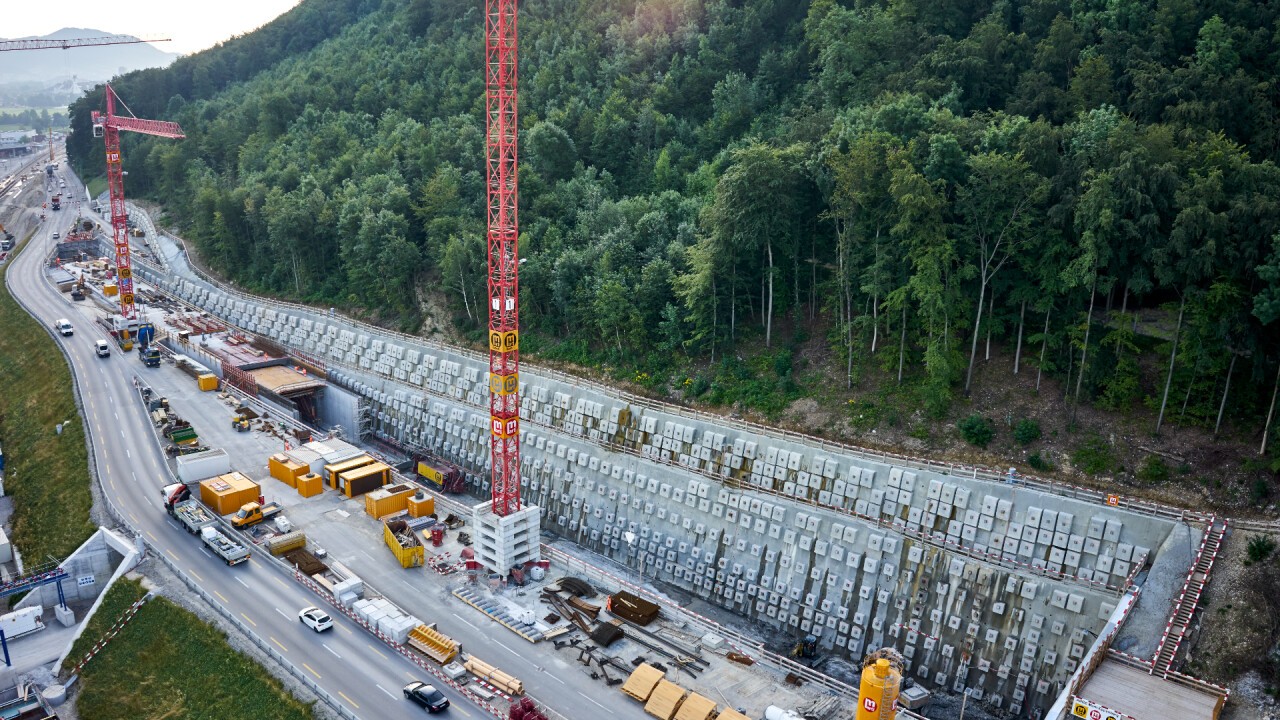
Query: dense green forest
x,y
704,181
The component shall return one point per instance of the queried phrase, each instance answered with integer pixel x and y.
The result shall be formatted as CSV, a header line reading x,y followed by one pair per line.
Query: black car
x,y
426,695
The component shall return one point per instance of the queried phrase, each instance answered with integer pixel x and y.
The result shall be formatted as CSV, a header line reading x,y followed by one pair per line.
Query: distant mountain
x,y
85,64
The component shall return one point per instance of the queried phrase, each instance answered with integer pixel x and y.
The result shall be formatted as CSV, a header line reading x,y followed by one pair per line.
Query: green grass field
x,y
97,186
167,663
47,474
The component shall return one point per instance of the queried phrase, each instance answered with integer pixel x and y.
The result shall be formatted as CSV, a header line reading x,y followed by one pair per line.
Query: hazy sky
x,y
192,25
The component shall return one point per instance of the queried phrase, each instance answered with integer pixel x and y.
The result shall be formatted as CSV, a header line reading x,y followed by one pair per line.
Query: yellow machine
x,y
881,680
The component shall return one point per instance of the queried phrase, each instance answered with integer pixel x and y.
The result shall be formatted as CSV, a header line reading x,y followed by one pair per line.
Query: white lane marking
x,y
149,500
286,615
596,703
121,432
407,584
473,627
206,552
117,416
553,677
174,524
326,647
242,582
388,692
135,475
128,454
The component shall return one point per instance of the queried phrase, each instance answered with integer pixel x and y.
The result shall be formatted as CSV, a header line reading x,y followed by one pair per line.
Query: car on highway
x,y
315,618
426,696
101,348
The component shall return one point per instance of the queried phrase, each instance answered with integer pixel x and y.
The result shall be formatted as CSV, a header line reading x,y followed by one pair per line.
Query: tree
x,y
999,207
754,208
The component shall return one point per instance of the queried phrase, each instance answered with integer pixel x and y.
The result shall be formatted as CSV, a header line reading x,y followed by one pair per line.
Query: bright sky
x,y
192,25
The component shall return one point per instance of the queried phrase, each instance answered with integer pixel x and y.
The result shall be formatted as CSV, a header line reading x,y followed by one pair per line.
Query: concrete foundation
x,y
505,542
981,584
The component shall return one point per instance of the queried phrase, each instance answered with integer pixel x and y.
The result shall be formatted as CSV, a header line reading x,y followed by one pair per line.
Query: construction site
x,y
509,529
1000,586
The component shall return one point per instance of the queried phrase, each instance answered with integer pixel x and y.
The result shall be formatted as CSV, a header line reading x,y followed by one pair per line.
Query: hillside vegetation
x,y
745,202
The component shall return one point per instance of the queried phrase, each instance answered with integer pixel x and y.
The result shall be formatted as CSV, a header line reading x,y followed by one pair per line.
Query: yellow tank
x,y
879,691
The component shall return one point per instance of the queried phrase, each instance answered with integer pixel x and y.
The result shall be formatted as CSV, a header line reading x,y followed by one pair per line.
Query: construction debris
x,y
631,608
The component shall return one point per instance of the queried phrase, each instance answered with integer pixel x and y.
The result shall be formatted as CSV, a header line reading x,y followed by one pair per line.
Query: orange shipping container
x,y
421,507
226,493
332,472
391,499
286,470
310,485
363,479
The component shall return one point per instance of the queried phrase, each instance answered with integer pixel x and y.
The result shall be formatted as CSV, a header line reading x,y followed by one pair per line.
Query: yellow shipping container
x,y
226,493
421,507
109,289
363,479
285,469
207,382
310,485
384,501
331,472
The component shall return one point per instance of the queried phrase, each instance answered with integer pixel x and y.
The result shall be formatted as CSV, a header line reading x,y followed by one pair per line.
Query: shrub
x,y
1026,431
976,430
1039,463
1153,470
1260,548
1095,457
1260,490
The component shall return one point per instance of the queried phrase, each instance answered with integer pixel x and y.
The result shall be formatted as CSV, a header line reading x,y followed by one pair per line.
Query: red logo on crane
x,y
869,704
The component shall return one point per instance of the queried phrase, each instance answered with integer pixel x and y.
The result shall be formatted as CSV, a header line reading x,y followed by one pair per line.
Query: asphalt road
x,y
347,662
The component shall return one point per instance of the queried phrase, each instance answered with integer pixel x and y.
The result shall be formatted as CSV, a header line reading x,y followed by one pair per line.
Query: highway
x,y
347,662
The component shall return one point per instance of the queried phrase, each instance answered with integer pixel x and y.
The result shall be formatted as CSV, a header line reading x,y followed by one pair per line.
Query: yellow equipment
x,y
881,679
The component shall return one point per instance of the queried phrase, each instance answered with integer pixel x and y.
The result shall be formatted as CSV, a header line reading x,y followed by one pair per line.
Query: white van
x,y
63,326
102,348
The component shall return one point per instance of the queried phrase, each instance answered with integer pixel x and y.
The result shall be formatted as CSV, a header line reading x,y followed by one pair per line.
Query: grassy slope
x,y
47,474
168,664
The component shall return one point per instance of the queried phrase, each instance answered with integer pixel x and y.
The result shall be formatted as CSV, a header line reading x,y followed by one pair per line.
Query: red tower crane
x,y
504,264
108,127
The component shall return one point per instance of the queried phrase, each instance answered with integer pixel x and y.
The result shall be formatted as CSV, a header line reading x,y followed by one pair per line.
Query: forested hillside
x,y
709,186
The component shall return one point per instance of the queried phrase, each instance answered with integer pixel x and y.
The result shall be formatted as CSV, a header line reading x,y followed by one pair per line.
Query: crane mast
x,y
500,40
108,127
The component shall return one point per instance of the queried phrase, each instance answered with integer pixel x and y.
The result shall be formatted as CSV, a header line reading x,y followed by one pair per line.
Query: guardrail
x,y
119,516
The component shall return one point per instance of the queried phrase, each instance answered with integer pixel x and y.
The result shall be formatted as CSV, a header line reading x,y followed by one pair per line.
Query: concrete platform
x,y
1132,691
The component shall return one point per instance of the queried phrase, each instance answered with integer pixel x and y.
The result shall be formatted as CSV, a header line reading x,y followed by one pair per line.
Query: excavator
x,y
7,242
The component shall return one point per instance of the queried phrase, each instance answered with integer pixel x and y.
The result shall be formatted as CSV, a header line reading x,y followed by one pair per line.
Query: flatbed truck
x,y
231,552
252,513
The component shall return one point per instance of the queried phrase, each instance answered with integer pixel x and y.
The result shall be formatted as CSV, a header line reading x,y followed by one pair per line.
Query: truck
x,y
232,552
192,515
149,356
252,513
56,201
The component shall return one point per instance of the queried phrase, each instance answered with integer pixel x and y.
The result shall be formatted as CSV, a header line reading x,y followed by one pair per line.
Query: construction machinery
x,y
55,202
240,423
6,239
440,475
108,126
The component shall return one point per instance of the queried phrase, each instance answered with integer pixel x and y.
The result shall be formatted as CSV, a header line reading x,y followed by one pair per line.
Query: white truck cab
x,y
63,326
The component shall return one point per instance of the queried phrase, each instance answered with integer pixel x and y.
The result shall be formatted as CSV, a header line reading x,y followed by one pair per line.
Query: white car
x,y
315,618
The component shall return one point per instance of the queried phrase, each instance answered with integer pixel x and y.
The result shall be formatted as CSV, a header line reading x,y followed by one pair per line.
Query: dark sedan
x,y
427,696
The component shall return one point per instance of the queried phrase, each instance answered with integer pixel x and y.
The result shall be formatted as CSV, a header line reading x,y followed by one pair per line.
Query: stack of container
x,y
310,485
334,470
